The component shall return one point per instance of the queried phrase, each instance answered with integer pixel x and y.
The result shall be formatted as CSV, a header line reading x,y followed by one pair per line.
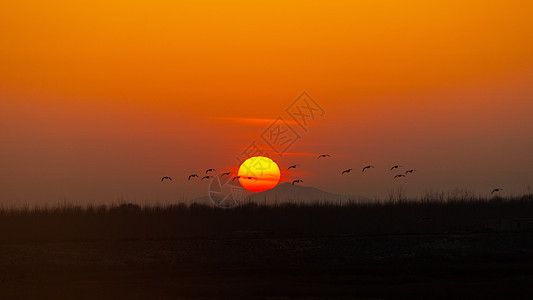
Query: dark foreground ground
x,y
248,265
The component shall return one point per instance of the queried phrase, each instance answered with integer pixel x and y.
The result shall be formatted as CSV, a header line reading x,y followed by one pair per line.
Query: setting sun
x,y
258,173
267,149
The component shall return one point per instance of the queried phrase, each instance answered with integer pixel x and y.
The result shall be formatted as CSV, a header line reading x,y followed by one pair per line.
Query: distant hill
x,y
286,192
204,200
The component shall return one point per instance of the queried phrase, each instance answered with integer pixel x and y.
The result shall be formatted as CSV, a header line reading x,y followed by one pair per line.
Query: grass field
x,y
433,249
130,221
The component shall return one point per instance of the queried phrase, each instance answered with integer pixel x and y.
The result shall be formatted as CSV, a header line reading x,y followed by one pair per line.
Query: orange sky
x,y
98,100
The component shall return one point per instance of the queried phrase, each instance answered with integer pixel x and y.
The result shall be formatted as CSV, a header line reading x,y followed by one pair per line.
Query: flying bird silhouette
x,y
346,171
409,171
395,167
236,177
324,155
227,173
209,170
192,175
367,167
166,177
496,190
296,181
399,175
292,167
206,177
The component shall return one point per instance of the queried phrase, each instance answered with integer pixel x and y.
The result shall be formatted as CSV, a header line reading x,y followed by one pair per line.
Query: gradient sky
x,y
98,100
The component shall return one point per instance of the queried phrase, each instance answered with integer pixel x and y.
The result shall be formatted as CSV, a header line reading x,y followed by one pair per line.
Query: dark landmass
x,y
287,192
130,221
282,193
453,249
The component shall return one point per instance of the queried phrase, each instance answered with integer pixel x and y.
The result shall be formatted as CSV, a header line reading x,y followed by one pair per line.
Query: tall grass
x,y
67,222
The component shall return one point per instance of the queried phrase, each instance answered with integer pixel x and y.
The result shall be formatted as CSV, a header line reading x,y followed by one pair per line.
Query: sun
x,y
258,173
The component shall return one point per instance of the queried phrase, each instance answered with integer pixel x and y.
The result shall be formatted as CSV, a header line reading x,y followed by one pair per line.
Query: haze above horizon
x,y
99,101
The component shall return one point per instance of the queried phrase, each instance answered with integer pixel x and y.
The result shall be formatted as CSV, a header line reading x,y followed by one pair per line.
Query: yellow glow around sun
x,y
258,174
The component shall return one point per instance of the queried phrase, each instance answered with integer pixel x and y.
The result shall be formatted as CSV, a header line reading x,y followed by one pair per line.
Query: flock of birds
x,y
208,176
395,167
368,167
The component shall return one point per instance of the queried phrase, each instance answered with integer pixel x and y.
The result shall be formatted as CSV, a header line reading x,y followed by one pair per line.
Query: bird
x,y
296,181
206,177
399,175
409,171
292,167
395,167
236,177
324,155
166,177
367,167
346,171
227,173
192,175
209,170
496,190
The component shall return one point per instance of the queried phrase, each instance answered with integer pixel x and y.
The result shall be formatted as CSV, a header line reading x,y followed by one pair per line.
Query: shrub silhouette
x,y
130,221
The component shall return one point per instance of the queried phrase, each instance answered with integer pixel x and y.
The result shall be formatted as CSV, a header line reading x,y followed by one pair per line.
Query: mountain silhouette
x,y
203,200
286,192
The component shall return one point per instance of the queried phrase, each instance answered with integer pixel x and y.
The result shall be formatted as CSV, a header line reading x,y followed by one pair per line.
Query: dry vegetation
x,y
397,216
427,249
